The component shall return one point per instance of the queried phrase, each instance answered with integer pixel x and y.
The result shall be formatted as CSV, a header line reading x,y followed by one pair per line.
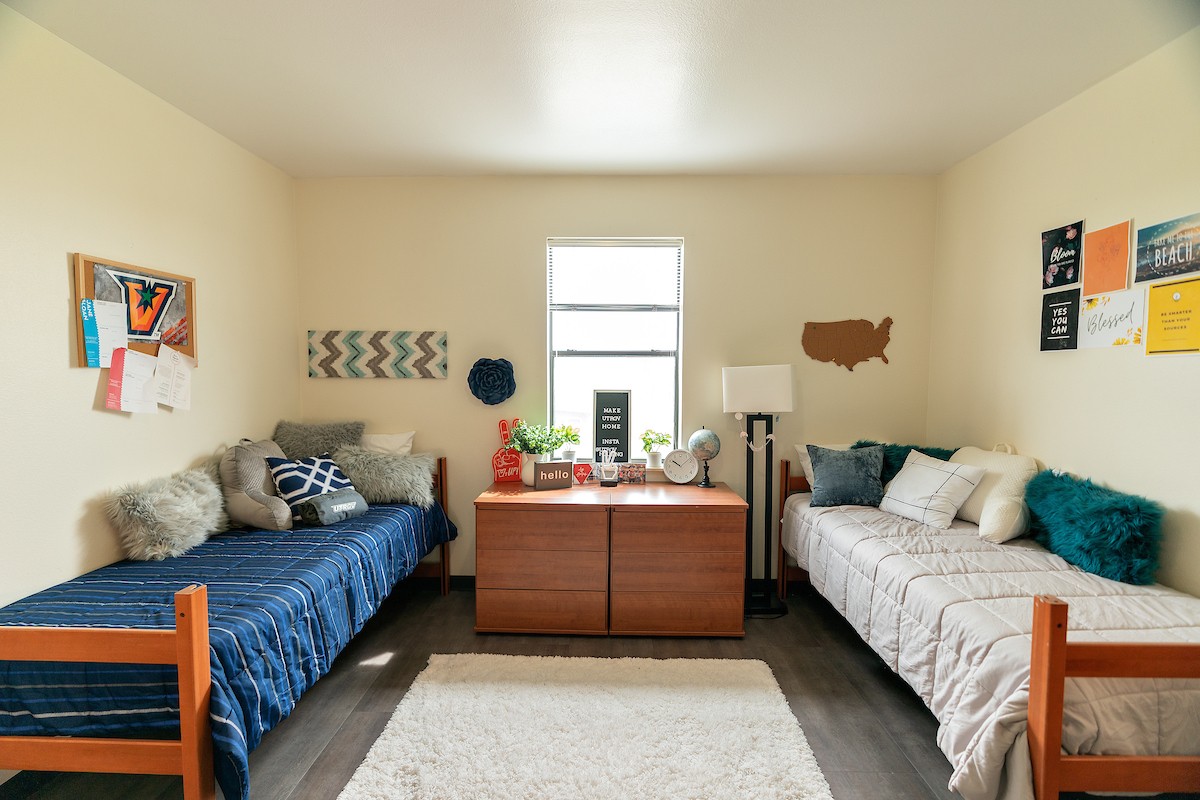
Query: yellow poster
x,y
1173,324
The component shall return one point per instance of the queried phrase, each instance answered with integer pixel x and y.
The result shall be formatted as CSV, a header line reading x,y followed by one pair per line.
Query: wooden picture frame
x,y
166,311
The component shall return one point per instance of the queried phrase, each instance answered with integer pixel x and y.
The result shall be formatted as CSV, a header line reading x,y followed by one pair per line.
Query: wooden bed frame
x,y
185,646
1052,661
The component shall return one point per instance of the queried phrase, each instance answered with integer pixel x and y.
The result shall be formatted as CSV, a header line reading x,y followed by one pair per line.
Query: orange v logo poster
x,y
146,302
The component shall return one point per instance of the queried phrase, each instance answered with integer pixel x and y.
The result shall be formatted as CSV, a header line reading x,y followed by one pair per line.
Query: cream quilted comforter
x,y
951,614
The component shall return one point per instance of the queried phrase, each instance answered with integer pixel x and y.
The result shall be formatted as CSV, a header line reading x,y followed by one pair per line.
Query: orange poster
x,y
1106,259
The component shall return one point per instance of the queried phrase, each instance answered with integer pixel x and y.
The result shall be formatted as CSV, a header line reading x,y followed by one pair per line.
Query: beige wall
x,y
1128,147
91,163
762,256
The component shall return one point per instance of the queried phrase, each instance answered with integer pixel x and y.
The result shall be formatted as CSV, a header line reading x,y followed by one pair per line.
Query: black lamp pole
x,y
764,603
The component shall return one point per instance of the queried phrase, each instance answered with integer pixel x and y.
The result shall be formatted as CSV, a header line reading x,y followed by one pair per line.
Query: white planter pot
x,y
527,462
568,455
654,460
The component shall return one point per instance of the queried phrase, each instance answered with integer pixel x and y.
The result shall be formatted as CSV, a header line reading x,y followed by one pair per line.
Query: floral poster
x,y
1106,259
1168,249
1112,320
1062,251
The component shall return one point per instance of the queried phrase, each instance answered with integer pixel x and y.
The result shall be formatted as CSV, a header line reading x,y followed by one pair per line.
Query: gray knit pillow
x,y
384,478
166,517
306,440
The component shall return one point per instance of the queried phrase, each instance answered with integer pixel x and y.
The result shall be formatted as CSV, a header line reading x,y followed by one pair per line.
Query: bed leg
x,y
1047,675
445,568
195,689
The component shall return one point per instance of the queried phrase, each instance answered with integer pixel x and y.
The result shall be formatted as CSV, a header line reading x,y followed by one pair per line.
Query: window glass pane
x,y
651,381
614,330
606,275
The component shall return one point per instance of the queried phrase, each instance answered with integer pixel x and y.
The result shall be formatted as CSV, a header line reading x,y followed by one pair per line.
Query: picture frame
x,y
165,312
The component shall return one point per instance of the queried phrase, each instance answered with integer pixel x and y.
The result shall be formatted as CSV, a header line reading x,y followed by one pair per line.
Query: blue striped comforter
x,y
282,605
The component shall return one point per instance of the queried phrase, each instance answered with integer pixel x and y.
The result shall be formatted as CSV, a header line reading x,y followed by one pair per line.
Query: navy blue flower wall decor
x,y
492,380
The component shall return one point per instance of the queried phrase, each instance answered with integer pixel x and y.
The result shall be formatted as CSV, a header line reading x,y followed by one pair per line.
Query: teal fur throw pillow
x,y
894,455
846,477
1099,530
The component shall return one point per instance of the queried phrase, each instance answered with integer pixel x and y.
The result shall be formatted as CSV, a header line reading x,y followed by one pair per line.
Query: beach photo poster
x,y
1112,320
1168,249
1062,255
1060,320
1106,259
1173,322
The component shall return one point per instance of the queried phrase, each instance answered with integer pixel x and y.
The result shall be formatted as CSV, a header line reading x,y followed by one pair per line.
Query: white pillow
x,y
806,462
393,444
998,505
930,490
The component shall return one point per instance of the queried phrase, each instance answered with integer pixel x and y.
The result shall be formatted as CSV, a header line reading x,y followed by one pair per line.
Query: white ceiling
x,y
448,87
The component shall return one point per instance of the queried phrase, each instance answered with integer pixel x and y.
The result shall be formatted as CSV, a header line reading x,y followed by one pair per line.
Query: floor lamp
x,y
759,394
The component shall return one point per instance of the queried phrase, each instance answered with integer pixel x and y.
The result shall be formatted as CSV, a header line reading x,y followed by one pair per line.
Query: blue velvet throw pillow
x,y
1099,530
846,477
894,455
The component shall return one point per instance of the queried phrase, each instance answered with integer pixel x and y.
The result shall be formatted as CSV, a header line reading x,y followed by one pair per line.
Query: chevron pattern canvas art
x,y
377,354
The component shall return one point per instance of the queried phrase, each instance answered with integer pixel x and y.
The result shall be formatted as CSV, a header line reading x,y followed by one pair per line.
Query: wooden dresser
x,y
637,559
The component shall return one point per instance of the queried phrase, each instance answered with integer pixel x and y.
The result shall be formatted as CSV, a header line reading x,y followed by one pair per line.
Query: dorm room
x,y
407,167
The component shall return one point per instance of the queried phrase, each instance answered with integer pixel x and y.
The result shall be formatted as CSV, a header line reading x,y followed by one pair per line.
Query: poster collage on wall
x,y
1086,296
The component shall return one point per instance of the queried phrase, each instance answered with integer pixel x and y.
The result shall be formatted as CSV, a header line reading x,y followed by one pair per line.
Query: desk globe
x,y
704,445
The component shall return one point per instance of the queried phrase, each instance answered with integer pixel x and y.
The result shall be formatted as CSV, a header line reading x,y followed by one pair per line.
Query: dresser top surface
x,y
625,496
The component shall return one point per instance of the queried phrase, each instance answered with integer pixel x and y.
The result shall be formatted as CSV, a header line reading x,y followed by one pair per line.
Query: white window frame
x,y
676,353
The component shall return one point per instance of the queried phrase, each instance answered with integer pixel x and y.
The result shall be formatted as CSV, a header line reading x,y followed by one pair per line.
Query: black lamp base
x,y
706,483
763,603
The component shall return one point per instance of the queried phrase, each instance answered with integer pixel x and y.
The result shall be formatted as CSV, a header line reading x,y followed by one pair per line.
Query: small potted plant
x,y
651,441
535,443
570,438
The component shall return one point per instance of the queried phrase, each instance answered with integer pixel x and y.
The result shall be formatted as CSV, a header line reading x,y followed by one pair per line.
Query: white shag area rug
x,y
493,727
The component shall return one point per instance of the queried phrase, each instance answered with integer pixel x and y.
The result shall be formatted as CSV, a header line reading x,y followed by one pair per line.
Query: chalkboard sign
x,y
611,423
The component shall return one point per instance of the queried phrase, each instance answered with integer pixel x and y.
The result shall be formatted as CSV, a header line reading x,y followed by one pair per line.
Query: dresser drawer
x,y
678,572
532,611
515,529
555,569
685,531
684,614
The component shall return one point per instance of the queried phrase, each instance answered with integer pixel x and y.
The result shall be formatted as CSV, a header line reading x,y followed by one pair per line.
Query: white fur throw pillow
x,y
166,517
382,478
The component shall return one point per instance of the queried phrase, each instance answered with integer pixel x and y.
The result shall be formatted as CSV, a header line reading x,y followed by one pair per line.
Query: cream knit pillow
x,y
998,504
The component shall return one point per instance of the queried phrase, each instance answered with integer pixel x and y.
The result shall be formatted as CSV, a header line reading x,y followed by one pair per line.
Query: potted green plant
x,y
535,443
570,438
651,441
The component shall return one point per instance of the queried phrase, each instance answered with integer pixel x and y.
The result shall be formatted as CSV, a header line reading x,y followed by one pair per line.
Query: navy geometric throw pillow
x,y
306,477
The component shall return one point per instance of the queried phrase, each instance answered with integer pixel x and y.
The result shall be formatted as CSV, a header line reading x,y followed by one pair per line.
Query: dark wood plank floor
x,y
871,735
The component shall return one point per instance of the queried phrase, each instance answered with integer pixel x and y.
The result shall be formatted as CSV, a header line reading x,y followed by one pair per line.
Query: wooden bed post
x,y
195,688
1047,674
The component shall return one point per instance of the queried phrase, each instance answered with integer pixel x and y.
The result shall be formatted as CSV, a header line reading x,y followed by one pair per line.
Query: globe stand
x,y
706,483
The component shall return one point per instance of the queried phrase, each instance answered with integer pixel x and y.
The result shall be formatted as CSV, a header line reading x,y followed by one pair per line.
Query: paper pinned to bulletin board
x,y
1173,320
103,330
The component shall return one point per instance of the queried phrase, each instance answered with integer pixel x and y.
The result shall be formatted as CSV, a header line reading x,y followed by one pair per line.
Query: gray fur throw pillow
x,y
300,440
385,478
166,517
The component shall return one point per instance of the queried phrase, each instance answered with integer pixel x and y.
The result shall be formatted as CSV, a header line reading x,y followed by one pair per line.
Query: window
x,y
615,323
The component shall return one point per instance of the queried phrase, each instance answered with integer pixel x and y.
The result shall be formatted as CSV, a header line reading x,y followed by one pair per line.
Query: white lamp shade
x,y
757,389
